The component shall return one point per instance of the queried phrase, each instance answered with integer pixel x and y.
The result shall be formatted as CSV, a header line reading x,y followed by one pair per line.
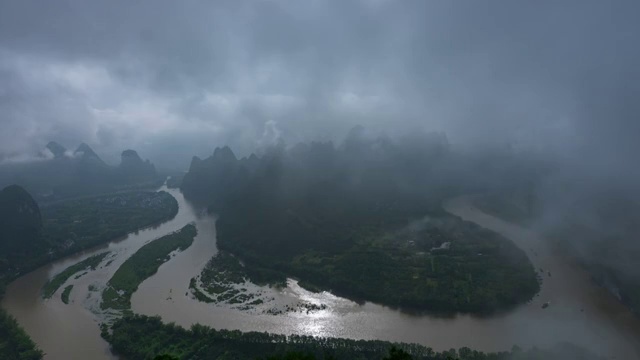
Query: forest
x,y
478,272
74,225
143,337
66,227
142,265
363,220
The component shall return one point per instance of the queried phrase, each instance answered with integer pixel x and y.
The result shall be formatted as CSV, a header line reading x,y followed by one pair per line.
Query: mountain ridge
x,y
57,172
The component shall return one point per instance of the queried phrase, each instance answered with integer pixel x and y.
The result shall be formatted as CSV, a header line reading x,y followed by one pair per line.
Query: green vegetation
x,y
15,344
78,224
142,337
142,265
369,249
364,221
200,296
222,281
30,238
447,266
219,278
66,293
54,284
223,268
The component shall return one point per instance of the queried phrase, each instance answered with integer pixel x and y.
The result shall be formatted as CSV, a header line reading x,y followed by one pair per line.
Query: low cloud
x,y
558,78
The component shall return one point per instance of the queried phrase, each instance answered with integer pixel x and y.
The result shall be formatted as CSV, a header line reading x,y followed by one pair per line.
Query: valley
x,y
167,294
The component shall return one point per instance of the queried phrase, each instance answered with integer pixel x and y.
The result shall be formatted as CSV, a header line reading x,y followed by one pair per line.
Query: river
x,y
579,311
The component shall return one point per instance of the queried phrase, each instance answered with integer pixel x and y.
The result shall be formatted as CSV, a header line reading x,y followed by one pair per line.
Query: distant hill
x,y
56,149
371,165
86,152
89,169
58,172
209,180
133,168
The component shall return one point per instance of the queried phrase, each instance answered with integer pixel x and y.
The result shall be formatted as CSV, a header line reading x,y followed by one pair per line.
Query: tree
x,y
165,357
398,354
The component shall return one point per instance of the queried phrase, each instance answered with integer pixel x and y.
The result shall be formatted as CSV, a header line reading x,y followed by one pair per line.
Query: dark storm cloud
x,y
556,75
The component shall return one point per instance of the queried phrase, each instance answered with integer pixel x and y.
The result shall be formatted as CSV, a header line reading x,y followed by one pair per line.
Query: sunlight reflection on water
x,y
528,325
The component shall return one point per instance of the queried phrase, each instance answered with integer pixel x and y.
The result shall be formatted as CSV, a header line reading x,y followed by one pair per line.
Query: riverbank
x,y
224,282
596,328
70,227
52,321
88,264
138,337
434,264
594,317
65,331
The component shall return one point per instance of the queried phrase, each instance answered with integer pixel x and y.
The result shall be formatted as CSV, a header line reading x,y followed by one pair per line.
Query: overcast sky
x,y
182,77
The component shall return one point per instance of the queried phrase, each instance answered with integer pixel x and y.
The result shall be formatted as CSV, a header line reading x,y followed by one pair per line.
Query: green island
x,y
199,294
143,337
54,284
142,265
220,279
65,294
337,219
225,281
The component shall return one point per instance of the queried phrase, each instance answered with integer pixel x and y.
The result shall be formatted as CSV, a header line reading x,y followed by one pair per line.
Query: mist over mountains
x,y
593,221
323,114
338,217
57,172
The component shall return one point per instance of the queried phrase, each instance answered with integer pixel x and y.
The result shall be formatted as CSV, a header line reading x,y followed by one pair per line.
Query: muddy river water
x,y
579,311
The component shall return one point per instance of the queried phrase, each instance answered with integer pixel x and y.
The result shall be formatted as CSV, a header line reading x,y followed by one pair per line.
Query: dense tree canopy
x,y
142,337
142,265
363,220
